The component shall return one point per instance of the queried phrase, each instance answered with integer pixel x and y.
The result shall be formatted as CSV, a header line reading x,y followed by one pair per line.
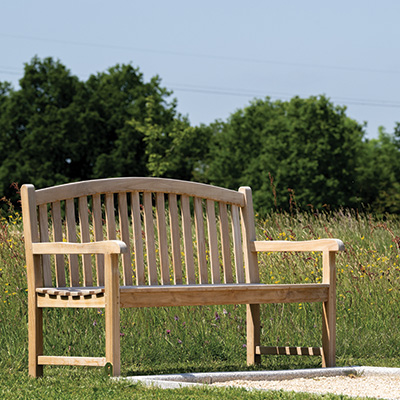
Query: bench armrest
x,y
307,245
101,247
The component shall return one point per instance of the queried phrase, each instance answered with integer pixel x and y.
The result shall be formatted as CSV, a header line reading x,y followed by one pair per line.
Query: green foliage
x,y
174,149
379,172
302,153
305,147
57,129
114,99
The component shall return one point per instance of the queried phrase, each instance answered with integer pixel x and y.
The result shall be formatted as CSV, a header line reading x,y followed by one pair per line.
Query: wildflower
x,y
179,341
176,318
168,331
244,345
94,323
217,317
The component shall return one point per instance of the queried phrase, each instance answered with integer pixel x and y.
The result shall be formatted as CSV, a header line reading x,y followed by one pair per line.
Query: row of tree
x,y
300,153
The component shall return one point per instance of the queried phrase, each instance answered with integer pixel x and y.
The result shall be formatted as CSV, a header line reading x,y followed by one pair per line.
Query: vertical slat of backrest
x,y
237,244
44,237
110,217
71,237
124,227
150,242
98,237
175,238
137,238
213,242
225,243
187,239
162,238
58,237
201,240
249,236
85,238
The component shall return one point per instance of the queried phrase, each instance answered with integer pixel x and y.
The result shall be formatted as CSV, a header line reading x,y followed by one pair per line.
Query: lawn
x,y
199,339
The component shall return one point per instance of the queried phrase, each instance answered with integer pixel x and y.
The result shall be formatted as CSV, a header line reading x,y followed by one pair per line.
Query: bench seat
x,y
194,295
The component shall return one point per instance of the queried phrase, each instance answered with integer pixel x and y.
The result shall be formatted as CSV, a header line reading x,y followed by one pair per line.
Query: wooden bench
x,y
150,223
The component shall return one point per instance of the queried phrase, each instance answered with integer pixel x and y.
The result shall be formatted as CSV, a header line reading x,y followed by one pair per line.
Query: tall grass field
x,y
198,339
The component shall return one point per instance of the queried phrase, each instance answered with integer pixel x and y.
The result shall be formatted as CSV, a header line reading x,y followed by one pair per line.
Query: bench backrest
x,y
178,232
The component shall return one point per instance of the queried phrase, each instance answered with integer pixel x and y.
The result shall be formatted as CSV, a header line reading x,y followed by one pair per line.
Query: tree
x,y
307,148
113,99
37,146
379,172
174,149
57,129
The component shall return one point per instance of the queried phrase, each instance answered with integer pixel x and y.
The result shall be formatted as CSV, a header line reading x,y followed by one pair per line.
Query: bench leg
x,y
112,313
329,313
329,334
253,333
35,322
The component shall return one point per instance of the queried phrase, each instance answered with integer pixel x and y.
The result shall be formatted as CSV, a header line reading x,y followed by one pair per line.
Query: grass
x,y
198,339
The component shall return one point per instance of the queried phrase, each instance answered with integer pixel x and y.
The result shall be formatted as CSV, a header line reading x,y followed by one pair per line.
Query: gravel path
x,y
368,382
375,386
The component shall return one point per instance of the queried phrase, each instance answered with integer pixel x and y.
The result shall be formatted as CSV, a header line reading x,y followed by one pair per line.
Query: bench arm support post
x,y
112,310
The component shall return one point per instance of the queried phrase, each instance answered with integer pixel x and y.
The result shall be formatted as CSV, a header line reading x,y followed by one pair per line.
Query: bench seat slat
x,y
71,291
213,294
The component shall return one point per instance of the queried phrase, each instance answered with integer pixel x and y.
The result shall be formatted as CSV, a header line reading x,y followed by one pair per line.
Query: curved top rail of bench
x,y
121,185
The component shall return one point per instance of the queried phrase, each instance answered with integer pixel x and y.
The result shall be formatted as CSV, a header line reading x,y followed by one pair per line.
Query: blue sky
x,y
217,56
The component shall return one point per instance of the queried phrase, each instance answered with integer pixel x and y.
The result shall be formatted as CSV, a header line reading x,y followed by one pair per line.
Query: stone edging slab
x,y
174,381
